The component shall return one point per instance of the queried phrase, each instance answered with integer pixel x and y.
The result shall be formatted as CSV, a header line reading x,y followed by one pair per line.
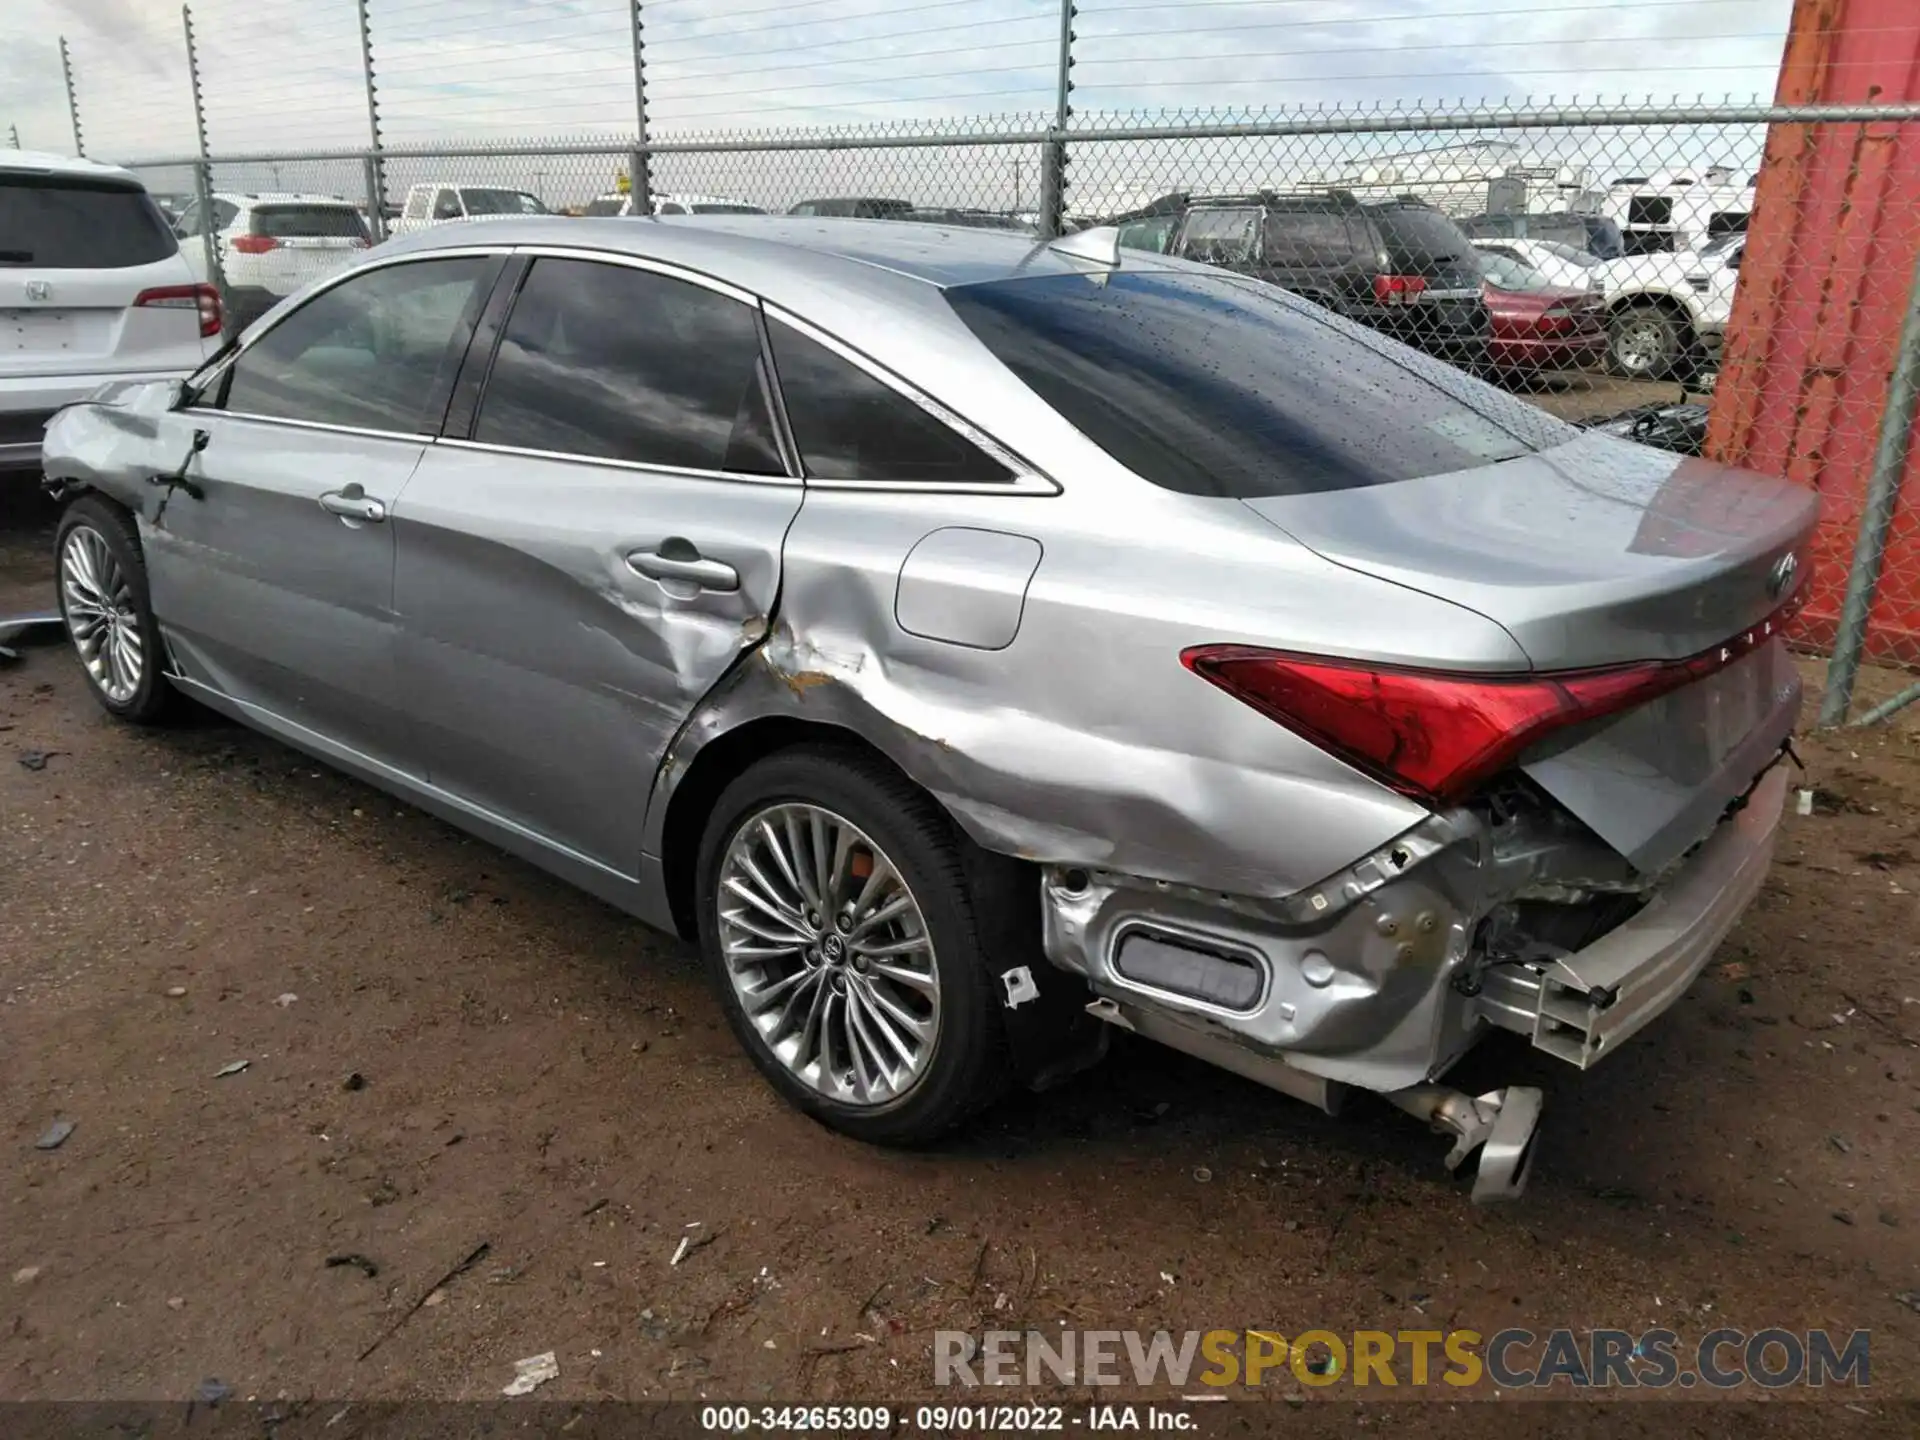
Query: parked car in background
x,y
172,204
1538,326
270,244
1667,314
93,289
615,203
442,203
1559,264
967,219
1598,235
856,208
1098,640
1400,266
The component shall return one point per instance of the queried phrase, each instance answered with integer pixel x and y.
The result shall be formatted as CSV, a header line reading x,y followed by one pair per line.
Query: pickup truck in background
x,y
441,203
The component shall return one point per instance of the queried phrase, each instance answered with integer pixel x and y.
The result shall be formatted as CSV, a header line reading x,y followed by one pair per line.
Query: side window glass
x,y
371,352
850,426
189,221
417,205
447,207
224,213
624,364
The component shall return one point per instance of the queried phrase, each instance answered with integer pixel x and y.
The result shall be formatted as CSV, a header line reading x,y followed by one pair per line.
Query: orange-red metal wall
x,y
1823,288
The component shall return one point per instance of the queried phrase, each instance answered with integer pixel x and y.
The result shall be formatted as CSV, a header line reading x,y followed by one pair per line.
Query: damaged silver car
x,y
979,644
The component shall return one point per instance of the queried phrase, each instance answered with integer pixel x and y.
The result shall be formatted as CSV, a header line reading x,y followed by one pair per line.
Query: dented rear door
x,y
592,548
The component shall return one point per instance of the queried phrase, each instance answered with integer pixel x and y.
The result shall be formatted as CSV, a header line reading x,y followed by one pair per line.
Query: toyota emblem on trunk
x,y
1780,578
39,290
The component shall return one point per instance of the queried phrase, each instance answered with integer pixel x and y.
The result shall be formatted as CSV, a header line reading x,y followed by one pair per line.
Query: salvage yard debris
x,y
56,1135
531,1373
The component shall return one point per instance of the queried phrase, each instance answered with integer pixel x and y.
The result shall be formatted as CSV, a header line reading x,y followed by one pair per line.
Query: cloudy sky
x,y
286,73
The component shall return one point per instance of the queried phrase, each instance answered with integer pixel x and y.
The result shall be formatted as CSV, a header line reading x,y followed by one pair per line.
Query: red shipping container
x,y
1824,285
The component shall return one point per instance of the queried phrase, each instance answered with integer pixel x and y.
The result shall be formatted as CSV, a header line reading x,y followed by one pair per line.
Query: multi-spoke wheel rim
x,y
98,604
829,954
1642,345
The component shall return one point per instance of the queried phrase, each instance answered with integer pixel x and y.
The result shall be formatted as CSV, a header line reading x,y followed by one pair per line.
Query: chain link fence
x,y
1726,279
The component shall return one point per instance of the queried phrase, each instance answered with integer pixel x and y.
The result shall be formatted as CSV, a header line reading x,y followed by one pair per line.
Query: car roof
x,y
782,257
46,162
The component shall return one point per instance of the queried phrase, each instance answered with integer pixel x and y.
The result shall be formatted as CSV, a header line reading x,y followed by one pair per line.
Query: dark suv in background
x,y
1400,266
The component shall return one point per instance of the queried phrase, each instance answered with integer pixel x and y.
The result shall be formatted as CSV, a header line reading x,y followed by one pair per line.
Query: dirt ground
x,y
453,1058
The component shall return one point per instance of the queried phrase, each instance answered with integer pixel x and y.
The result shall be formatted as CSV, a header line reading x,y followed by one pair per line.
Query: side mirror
x,y
177,395
1733,260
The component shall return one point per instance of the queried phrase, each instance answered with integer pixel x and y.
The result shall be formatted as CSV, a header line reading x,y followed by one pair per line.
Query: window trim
x,y
1027,478
216,378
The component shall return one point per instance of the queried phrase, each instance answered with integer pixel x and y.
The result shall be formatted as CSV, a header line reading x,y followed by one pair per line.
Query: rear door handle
x,y
353,503
678,559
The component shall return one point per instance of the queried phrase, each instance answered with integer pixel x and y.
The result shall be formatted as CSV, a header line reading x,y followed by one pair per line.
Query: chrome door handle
x,y
353,503
678,560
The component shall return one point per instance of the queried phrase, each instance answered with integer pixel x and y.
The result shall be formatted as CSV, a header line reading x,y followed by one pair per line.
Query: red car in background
x,y
1539,326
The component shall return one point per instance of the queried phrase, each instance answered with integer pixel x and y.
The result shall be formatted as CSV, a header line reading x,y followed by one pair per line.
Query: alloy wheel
x,y
98,603
828,952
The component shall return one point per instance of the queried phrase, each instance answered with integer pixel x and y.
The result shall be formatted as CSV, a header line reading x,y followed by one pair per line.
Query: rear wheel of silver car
x,y
1645,342
103,599
838,922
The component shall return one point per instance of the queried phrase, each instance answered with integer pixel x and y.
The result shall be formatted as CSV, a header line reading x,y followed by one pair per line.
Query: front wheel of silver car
x,y
102,579
837,920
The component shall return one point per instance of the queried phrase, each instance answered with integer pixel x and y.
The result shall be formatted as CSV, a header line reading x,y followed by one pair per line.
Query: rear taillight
x,y
203,298
1398,289
255,244
1437,736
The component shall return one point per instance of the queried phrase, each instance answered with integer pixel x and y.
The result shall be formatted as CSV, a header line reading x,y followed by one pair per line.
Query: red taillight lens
x,y
1398,289
1437,736
203,298
255,244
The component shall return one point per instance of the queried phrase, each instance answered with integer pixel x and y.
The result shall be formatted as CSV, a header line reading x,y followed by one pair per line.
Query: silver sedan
x,y
978,645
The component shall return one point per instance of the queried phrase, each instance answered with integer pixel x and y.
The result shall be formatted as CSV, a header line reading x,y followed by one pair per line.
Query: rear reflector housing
x,y
1437,736
255,244
1183,967
203,298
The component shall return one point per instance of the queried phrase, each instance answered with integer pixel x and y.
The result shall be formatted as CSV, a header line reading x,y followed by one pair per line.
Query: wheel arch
x,y
720,760
1652,300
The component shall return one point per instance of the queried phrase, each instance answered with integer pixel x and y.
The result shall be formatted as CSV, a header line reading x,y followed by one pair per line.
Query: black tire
x,y
153,698
967,1066
1646,342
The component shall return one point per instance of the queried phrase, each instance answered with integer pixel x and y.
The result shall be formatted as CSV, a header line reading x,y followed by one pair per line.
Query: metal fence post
x,y
1876,515
376,167
1053,158
639,167
13,137
73,100
202,172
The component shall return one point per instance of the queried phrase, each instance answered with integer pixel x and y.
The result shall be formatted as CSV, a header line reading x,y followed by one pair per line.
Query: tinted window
x,y
1220,237
225,212
501,202
606,205
624,364
1649,210
332,222
726,208
372,352
1418,238
849,426
1213,385
1310,237
50,220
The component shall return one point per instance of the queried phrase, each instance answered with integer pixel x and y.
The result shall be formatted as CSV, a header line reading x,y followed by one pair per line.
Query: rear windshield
x,y
501,202
331,222
80,224
612,205
1416,236
1216,385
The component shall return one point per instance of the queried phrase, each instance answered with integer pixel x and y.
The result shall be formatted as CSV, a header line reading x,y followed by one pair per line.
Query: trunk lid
x,y
1596,552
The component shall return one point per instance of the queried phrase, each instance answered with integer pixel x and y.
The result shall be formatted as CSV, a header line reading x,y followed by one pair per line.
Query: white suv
x,y
93,289
271,245
617,204
1667,314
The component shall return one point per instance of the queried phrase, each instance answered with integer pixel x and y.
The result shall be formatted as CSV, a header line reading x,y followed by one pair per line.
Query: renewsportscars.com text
x,y
1721,1359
